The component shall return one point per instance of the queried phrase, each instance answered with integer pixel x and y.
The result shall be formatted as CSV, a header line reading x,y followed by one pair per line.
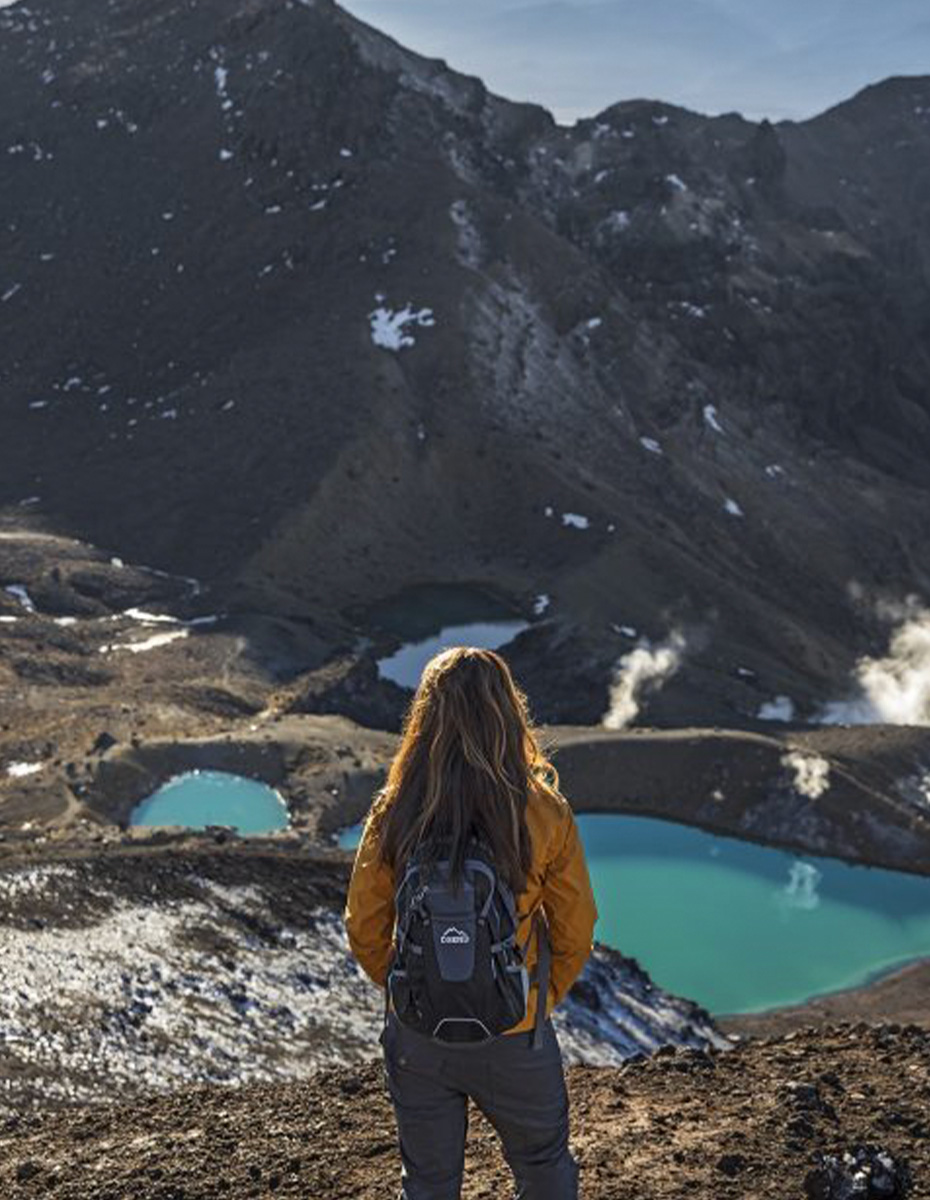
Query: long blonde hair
x,y
468,757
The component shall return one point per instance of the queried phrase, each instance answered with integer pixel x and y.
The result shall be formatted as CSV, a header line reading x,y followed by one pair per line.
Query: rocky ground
x,y
838,1112
137,968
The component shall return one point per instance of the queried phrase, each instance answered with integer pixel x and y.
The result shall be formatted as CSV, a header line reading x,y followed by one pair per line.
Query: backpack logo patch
x,y
454,937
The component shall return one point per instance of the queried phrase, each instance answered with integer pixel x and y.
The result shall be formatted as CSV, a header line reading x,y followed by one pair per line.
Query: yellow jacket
x,y
558,880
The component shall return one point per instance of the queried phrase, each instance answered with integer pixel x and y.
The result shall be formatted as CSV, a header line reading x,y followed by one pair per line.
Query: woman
x,y
469,764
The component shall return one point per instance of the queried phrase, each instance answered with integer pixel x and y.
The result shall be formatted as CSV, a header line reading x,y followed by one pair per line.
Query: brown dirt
x,y
744,1124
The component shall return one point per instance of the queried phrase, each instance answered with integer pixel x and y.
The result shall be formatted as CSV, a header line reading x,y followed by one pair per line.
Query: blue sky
x,y
774,58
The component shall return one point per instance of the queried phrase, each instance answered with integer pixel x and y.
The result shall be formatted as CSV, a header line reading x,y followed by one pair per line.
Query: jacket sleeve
x,y
369,911
569,906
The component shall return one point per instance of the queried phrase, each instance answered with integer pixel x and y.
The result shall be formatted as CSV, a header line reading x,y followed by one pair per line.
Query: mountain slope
x,y
293,310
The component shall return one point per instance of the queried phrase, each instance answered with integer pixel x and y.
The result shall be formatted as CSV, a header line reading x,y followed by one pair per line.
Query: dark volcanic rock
x,y
293,310
352,687
865,1171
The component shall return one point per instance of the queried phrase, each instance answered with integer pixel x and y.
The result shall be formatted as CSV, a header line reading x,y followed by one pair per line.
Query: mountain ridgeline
x,y
292,309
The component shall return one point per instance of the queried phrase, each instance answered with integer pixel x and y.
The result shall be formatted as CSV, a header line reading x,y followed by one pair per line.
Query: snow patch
x,y
389,328
575,519
710,418
19,769
651,445
150,643
19,591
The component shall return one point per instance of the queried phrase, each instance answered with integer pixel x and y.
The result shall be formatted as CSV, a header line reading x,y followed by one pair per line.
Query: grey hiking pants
x,y
520,1090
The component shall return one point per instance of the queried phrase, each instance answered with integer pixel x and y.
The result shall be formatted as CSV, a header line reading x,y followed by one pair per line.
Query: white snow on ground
x,y
594,322
10,292
26,881
651,445
732,507
779,709
17,590
136,999
140,614
710,418
644,668
221,78
618,221
811,772
157,639
389,327
575,519
677,182
19,769
540,604
773,470
8,618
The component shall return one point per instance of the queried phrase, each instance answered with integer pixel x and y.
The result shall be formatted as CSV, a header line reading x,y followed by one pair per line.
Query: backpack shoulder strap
x,y
543,957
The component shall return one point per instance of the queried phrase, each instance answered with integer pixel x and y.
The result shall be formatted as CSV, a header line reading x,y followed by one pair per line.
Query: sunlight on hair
x,y
468,756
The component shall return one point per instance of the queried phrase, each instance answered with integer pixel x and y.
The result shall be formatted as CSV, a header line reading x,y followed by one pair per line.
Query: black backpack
x,y
458,973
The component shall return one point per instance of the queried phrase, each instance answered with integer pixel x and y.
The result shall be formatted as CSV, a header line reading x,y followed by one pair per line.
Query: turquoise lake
x,y
199,798
740,927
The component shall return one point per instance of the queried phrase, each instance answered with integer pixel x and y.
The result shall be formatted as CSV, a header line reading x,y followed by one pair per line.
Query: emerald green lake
x,y
199,798
740,927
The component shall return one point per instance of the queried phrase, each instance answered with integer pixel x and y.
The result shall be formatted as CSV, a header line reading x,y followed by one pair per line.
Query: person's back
x,y
469,766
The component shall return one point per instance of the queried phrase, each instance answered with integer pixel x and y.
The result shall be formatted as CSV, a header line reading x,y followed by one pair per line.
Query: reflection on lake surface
x,y
431,617
199,798
740,927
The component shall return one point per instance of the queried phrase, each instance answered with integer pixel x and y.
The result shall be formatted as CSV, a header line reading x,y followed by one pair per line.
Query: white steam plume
x,y
646,667
811,772
894,689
